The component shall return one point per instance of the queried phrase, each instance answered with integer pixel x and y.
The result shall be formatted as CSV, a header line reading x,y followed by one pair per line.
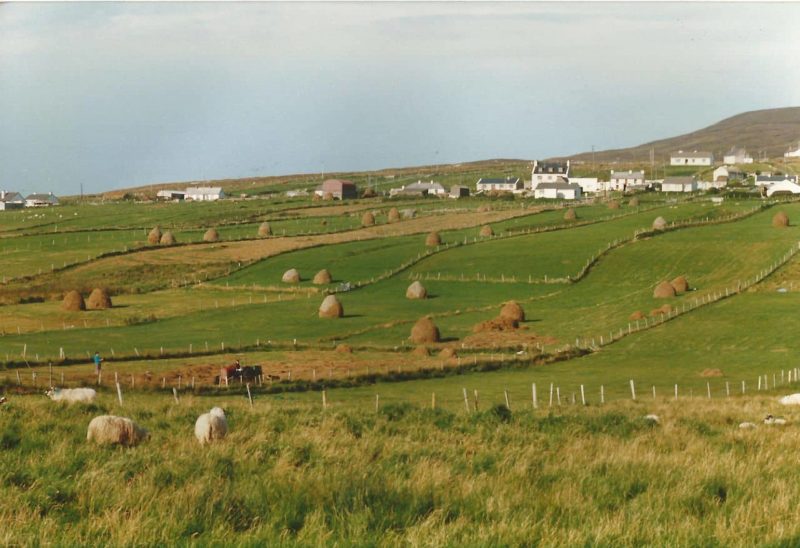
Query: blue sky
x,y
121,94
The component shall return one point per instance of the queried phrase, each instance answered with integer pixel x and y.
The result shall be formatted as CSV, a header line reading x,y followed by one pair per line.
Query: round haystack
x,y
155,235
264,230
394,215
512,311
291,276
368,219
486,230
322,277
660,223
780,220
331,308
424,331
633,202
327,197
664,290
73,301
421,351
447,353
211,235
344,349
167,238
99,299
433,239
680,284
369,193
613,204
497,324
416,291
638,315
715,372
570,215
315,197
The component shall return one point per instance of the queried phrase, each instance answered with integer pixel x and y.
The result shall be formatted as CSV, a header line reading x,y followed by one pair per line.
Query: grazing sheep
x,y
792,399
211,426
774,420
652,418
72,395
109,429
747,425
3,400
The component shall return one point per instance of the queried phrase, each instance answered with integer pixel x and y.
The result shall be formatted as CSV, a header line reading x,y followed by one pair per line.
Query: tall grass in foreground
x,y
298,475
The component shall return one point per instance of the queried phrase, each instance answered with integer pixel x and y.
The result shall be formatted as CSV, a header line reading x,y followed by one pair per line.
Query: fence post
x,y
727,389
533,394
633,391
708,389
119,393
466,400
175,394
551,392
249,396
583,396
508,403
324,400
602,394
676,392
475,394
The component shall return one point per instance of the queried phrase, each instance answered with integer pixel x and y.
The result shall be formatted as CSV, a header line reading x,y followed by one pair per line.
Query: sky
x,y
111,95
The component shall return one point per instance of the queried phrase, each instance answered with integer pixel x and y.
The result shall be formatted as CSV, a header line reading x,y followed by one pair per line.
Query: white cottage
x,y
204,193
694,158
623,180
561,190
589,184
792,153
679,184
509,184
737,156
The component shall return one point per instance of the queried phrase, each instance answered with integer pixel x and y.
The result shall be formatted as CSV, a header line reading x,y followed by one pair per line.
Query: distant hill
x,y
772,131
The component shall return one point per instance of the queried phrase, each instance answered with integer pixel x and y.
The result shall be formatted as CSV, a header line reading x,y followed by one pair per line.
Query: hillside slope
x,y
772,131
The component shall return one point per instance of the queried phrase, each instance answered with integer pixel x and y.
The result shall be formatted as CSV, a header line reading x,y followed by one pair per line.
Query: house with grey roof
x,y
11,200
693,158
679,184
204,193
737,156
626,180
509,184
41,200
548,172
559,190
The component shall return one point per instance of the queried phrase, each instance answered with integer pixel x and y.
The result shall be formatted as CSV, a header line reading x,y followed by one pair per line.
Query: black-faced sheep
x,y
774,420
108,429
72,395
211,426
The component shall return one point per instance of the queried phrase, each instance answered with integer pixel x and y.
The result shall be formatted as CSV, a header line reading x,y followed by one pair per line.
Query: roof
x,y
204,190
498,181
775,178
692,154
335,184
419,185
558,186
12,197
627,174
678,181
41,197
550,167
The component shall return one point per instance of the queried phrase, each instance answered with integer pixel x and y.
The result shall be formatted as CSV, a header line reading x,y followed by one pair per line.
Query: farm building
x,y
41,200
561,190
625,180
420,189
792,153
548,172
509,184
340,189
204,193
694,158
766,180
589,184
458,191
737,156
728,173
170,195
783,187
679,184
11,200
296,193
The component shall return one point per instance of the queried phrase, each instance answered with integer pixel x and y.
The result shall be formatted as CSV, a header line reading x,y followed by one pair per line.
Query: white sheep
x,y
792,399
3,400
774,420
211,426
652,418
72,395
108,429
747,425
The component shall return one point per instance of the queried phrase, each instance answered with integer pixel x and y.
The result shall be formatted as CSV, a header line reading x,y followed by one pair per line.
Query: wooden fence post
x,y
466,400
633,390
533,394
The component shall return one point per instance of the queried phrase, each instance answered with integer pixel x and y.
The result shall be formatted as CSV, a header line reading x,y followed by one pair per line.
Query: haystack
x,y
99,299
155,236
512,311
447,353
291,276
264,230
167,238
73,302
368,193
433,239
486,230
322,277
394,215
368,219
780,220
633,202
570,215
327,197
316,197
638,315
714,372
660,223
211,235
421,351
344,349
331,308
680,285
664,290
416,291
408,213
424,331
496,324
613,204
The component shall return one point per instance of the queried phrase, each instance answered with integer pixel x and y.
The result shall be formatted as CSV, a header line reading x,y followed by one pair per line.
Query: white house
x,y
429,189
548,172
561,190
793,153
728,173
11,200
41,200
694,158
783,187
204,193
623,180
737,156
509,184
679,184
589,184
766,180
707,185
170,195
